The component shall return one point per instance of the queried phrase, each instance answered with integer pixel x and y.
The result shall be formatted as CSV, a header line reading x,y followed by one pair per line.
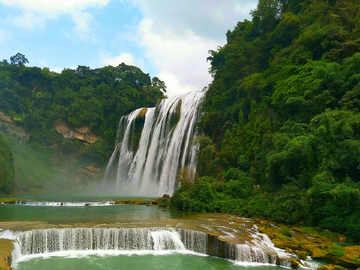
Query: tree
x,y
18,59
158,84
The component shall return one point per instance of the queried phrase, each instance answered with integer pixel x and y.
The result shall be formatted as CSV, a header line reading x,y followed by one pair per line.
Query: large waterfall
x,y
152,145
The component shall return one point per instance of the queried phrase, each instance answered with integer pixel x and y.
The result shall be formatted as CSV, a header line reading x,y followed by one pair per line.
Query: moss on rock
x,y
314,242
6,247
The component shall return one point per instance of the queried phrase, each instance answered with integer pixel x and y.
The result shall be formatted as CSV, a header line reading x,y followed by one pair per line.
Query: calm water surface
x,y
83,214
65,214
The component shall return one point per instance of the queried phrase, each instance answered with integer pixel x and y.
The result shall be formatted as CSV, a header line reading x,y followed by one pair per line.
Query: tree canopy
x,y
18,59
283,116
37,98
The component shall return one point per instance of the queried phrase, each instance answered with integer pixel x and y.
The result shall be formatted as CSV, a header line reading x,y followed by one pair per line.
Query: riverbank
x,y
323,245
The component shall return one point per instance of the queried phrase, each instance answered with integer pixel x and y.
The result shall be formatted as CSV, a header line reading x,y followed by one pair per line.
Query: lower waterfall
x,y
152,145
53,240
44,241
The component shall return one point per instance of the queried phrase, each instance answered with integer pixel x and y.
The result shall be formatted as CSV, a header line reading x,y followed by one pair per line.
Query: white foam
x,y
103,253
7,234
66,203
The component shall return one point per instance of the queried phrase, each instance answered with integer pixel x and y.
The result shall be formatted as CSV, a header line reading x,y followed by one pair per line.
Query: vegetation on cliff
x,y
6,166
37,98
281,118
39,101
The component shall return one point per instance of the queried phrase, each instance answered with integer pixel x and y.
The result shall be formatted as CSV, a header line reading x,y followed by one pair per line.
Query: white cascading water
x,y
65,203
42,242
53,240
59,240
152,145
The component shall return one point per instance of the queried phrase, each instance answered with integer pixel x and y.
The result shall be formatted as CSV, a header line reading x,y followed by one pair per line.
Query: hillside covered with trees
x,y
36,99
281,118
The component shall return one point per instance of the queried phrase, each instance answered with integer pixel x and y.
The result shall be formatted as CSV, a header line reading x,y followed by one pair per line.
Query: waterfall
x,y
107,239
152,145
66,203
245,253
44,241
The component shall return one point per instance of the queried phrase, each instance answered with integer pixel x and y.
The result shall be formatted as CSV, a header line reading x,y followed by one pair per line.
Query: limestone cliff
x,y
7,124
80,133
43,167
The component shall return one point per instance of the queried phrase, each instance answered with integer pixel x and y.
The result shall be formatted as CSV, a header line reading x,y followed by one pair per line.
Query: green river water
x,y
130,262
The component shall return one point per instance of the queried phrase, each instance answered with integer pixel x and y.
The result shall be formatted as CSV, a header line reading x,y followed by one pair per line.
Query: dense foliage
x,y
6,166
37,98
282,118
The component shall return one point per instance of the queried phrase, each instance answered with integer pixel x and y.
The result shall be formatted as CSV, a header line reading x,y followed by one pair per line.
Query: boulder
x,y
302,255
295,263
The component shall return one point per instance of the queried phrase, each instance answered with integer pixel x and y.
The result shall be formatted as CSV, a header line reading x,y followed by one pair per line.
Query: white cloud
x,y
37,12
180,57
83,29
206,18
173,85
28,20
54,6
177,36
127,58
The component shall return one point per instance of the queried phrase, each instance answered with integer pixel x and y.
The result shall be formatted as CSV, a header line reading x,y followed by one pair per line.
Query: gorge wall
x,y
79,133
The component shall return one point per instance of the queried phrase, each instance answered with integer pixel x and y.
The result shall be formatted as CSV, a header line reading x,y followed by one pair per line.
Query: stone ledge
x,y
6,247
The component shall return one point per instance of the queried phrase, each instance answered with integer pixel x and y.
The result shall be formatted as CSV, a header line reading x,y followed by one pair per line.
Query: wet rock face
x,y
8,125
220,248
6,246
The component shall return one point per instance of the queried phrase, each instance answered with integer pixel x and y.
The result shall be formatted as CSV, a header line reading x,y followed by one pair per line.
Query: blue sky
x,y
168,39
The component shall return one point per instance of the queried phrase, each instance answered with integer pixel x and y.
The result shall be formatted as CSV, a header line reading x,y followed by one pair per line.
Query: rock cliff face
x,y
33,175
80,133
6,123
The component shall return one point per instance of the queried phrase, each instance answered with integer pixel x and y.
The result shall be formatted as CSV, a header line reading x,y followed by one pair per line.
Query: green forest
x,y
36,98
281,119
